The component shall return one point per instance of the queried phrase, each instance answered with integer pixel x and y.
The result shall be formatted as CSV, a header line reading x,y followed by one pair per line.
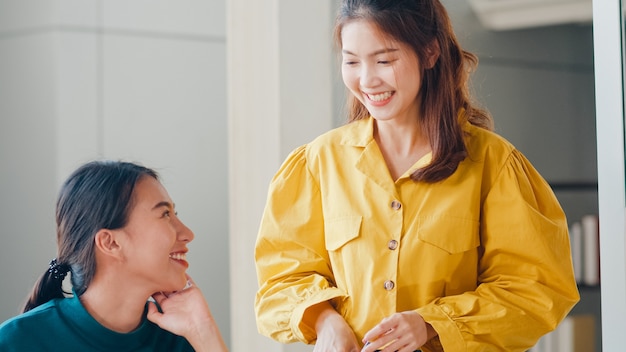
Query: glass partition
x,y
609,72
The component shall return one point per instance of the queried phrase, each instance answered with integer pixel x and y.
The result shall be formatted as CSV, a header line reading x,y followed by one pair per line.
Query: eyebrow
x,y
377,52
163,204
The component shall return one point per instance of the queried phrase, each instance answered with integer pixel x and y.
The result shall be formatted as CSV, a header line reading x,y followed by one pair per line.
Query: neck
x,y
402,140
117,310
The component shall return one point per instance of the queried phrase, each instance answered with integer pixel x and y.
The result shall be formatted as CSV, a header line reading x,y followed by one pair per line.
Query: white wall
x,y
280,96
141,80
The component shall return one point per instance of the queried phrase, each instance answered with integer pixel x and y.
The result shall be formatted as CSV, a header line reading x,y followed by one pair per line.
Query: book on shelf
x,y
584,242
576,243
591,274
575,334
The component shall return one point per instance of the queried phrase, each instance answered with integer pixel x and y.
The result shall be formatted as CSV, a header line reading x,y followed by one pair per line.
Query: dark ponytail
x,y
98,195
48,287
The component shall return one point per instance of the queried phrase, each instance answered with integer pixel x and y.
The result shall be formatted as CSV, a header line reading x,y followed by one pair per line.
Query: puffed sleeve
x,y
293,268
526,283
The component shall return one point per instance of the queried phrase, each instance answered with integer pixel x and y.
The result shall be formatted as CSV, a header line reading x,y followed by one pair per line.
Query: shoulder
x,y
492,151
41,313
482,143
491,155
502,162
327,146
22,326
356,133
340,144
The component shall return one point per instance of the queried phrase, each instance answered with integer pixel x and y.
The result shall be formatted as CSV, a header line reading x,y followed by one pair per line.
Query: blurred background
x,y
215,93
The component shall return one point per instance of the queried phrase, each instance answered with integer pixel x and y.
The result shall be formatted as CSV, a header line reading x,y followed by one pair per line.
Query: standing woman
x,y
414,226
121,242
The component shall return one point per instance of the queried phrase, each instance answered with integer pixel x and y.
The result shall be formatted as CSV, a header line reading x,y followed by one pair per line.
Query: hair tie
x,y
58,271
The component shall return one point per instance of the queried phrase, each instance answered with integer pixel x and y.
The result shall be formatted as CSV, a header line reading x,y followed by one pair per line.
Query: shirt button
x,y
393,244
389,285
395,205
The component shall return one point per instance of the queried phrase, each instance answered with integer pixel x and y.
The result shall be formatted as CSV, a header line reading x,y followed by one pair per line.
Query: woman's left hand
x,y
402,332
186,313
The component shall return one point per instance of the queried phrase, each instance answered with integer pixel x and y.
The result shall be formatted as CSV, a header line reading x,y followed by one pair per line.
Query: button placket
x,y
392,244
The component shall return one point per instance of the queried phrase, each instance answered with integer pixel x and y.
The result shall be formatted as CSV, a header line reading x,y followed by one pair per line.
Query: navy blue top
x,y
64,324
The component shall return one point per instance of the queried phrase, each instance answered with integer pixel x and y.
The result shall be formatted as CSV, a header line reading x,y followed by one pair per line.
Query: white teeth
x,y
178,256
379,97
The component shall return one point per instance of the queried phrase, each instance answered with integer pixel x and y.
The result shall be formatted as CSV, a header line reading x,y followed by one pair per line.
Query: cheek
x,y
349,76
351,81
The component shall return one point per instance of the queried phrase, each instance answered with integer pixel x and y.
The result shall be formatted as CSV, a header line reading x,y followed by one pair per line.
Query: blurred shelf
x,y
574,186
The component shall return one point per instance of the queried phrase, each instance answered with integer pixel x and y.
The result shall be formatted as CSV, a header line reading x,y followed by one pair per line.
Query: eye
x,y
168,213
385,62
349,63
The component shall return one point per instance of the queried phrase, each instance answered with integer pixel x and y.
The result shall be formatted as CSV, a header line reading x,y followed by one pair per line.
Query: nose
x,y
183,233
368,76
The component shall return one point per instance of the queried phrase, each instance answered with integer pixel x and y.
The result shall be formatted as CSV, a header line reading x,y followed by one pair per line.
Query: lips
x,y
180,257
379,97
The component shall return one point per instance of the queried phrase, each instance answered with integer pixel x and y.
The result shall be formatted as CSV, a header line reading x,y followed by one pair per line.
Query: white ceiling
x,y
517,14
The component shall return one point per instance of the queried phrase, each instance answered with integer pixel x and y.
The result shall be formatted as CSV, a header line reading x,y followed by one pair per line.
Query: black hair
x,y
98,195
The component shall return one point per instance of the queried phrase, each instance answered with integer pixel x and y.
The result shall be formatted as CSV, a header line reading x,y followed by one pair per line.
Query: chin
x,y
175,285
182,283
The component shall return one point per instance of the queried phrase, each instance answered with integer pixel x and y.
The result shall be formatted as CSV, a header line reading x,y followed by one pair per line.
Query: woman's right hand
x,y
186,313
333,332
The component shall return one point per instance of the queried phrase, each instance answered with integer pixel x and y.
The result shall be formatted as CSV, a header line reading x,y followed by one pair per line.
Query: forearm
x,y
207,338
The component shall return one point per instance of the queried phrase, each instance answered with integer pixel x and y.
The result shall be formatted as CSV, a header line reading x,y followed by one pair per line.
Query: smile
x,y
379,97
178,256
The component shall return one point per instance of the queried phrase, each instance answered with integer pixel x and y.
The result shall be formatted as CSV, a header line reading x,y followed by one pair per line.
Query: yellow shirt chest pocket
x,y
450,234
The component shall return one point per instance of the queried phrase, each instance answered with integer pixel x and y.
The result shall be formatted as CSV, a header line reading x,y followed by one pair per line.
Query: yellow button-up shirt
x,y
483,256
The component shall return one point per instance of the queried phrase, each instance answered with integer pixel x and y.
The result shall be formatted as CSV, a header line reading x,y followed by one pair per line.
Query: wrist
x,y
316,316
207,338
430,332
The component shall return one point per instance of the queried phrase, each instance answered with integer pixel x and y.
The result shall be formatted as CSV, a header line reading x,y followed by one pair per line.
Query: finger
x,y
384,342
402,344
395,345
153,313
159,297
189,278
190,282
376,333
371,335
368,347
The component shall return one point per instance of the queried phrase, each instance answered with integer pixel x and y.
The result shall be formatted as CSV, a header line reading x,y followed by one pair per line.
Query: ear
x,y
432,54
108,243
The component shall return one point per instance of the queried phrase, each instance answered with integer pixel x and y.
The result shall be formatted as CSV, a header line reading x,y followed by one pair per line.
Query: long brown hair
x,y
98,195
445,86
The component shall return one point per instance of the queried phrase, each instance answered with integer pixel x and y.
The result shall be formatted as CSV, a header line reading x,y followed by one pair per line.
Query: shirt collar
x,y
358,133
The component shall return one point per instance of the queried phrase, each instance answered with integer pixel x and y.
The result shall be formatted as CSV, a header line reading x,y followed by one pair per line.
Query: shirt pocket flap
x,y
451,234
340,231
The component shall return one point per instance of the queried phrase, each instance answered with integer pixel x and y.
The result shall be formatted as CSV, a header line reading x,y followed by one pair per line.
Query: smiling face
x,y
383,74
155,244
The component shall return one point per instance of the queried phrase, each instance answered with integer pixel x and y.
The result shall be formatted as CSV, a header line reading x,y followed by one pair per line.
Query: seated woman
x,y
122,243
